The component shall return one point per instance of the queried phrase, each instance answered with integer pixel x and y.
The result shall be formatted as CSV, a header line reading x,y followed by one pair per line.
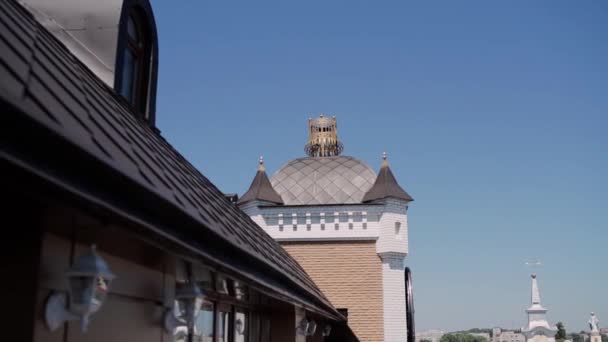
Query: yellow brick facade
x,y
350,274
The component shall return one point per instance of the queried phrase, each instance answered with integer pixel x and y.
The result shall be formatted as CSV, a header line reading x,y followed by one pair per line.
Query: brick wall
x,y
350,274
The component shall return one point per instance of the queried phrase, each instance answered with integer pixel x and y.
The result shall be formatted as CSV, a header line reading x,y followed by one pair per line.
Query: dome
x,y
323,180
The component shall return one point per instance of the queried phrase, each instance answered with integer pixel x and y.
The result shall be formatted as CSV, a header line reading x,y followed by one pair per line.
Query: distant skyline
x,y
494,116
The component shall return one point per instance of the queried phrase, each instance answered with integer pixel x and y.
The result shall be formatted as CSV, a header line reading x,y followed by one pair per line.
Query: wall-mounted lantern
x,y
89,281
239,326
186,308
302,328
326,330
312,328
306,327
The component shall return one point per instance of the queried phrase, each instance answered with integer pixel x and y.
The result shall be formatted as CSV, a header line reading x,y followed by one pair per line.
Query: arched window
x,y
135,71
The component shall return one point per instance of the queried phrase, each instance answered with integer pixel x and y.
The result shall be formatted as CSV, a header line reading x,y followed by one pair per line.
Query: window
x,y
343,217
271,219
398,230
301,218
223,324
203,327
373,217
135,70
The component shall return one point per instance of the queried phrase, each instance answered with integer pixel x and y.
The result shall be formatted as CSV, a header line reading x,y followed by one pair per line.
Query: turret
x,y
386,185
260,188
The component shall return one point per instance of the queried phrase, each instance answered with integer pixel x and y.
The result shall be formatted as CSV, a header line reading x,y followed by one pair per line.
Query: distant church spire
x,y
538,328
535,291
323,138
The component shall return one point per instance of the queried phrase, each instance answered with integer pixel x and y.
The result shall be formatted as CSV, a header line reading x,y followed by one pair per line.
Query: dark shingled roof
x,y
62,126
261,190
386,186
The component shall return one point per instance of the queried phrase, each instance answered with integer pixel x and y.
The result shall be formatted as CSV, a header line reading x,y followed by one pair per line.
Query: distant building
x,y
485,336
429,335
499,335
604,331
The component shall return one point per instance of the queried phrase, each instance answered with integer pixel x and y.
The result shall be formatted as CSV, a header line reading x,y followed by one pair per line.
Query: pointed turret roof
x,y
386,185
260,188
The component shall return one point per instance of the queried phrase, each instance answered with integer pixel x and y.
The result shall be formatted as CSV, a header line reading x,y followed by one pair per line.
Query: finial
x,y
533,275
261,164
323,138
384,161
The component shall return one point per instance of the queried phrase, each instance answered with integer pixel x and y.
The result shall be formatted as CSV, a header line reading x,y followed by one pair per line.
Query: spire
x,y
386,185
537,320
323,137
260,188
535,291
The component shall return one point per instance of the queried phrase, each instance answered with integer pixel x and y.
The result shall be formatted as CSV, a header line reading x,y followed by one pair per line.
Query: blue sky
x,y
494,116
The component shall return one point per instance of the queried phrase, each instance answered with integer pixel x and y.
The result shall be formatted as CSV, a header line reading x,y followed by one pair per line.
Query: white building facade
x,y
499,335
430,335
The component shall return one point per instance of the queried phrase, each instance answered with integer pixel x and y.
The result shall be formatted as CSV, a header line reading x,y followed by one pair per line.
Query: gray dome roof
x,y
324,180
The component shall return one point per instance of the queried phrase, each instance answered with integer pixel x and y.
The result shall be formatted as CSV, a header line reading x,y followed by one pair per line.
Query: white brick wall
x,y
377,223
394,213
393,287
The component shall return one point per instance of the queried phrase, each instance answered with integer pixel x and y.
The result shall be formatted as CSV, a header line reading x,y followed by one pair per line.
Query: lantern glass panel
x,y
81,293
240,327
222,284
102,285
188,308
